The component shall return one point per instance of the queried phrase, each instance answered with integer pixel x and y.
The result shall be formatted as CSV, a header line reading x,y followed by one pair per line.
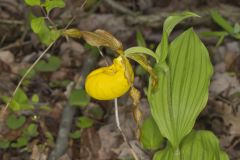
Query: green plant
x,y
46,30
14,122
183,71
228,28
20,101
27,133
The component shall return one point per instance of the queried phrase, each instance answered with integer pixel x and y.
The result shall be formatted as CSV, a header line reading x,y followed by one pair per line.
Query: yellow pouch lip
x,y
107,83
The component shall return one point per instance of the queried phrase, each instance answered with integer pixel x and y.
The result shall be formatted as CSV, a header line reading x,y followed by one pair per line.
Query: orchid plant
x,y
177,92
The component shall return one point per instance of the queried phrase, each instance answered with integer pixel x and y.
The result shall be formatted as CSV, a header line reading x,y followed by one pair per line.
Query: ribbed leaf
x,y
150,135
198,145
182,90
173,20
169,24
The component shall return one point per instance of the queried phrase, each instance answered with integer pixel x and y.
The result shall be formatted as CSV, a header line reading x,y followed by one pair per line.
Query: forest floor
x,y
19,47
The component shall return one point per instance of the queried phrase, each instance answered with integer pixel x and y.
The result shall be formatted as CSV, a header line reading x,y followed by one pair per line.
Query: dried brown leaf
x,y
72,32
102,38
142,60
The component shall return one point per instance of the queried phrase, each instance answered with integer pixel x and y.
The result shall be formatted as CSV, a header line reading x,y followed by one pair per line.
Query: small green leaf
x,y
96,112
76,134
19,102
150,137
46,35
222,22
4,143
51,4
50,138
21,142
14,122
33,2
53,63
84,122
168,26
31,74
79,97
140,39
173,20
220,40
236,28
21,97
38,24
35,98
31,130
214,33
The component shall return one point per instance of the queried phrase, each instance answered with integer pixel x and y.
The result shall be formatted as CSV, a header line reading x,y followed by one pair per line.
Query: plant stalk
x,y
121,131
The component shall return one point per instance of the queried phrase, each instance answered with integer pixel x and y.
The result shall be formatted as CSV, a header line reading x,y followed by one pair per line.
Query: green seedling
x,y
84,122
79,98
76,134
228,28
14,122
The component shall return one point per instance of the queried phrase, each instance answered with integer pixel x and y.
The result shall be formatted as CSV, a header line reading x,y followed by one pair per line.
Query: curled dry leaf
x,y
142,60
135,95
137,113
72,32
128,71
102,38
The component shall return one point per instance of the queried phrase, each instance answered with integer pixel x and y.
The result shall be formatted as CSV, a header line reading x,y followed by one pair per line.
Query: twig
x,y
119,7
14,22
48,18
69,111
156,19
83,4
121,131
63,133
15,44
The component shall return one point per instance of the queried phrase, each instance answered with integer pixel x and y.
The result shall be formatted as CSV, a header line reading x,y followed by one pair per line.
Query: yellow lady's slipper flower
x,y
107,83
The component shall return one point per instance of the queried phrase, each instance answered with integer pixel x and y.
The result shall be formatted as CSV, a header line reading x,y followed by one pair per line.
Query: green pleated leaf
x,y
198,145
182,90
150,137
173,20
169,24
166,154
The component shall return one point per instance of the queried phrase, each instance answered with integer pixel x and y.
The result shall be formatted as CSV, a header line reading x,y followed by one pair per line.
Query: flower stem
x,y
121,131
